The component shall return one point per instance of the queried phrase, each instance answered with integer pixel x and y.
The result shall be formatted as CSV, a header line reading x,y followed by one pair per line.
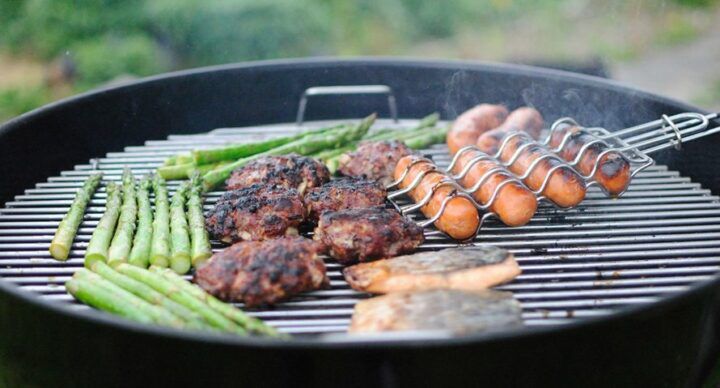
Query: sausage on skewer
x,y
460,218
523,119
514,204
566,188
472,123
613,171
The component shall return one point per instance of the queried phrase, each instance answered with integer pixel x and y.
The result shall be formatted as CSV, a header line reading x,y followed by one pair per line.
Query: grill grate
x,y
660,237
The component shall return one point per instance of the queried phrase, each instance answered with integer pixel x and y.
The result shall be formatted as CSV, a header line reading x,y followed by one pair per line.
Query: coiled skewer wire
x,y
633,143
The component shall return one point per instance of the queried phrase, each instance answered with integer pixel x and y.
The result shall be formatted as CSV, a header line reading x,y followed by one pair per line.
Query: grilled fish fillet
x,y
459,312
465,268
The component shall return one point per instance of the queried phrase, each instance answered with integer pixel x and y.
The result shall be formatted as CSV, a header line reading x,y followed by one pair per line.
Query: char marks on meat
x,y
374,160
344,193
465,268
367,234
459,312
258,212
291,171
263,272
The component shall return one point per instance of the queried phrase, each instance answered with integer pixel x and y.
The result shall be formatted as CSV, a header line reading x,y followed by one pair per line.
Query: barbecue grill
x,y
615,291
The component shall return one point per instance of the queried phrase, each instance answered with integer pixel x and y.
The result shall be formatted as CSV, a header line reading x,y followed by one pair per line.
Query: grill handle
x,y
345,90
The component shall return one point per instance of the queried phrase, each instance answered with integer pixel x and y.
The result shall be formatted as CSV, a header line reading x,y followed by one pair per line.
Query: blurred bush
x,y
106,57
204,33
98,40
111,37
15,101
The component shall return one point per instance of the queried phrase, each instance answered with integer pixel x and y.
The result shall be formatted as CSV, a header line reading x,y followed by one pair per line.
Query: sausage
x,y
474,122
613,172
523,119
566,188
460,219
514,204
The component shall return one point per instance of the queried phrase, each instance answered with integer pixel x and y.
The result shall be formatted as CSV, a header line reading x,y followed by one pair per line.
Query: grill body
x,y
663,343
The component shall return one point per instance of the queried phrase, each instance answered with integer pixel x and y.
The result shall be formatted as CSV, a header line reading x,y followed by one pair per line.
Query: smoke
x,y
458,96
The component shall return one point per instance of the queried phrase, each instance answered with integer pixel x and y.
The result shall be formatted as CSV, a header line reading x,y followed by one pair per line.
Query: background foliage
x,y
84,43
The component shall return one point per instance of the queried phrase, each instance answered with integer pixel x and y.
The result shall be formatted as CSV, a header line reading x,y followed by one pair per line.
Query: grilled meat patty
x,y
263,272
367,234
291,171
374,160
343,193
459,312
466,268
257,212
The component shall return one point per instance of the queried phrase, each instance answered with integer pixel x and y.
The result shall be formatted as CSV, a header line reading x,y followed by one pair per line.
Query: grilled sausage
x,y
565,188
613,172
474,122
514,204
523,119
460,219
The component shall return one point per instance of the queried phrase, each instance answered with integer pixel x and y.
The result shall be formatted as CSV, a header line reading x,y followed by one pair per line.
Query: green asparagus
x,y
331,157
252,324
331,153
200,242
179,231
304,146
415,139
168,289
140,252
99,297
97,249
237,151
122,241
387,134
183,158
184,171
147,293
119,296
426,139
170,161
65,234
178,171
160,246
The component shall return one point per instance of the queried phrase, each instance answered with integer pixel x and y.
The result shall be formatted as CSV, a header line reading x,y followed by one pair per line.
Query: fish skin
x,y
457,312
464,268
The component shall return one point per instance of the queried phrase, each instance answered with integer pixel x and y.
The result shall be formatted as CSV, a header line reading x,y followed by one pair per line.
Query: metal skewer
x,y
633,143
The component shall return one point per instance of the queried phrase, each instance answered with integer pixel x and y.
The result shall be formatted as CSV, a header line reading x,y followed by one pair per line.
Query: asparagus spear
x,y
116,299
183,171
237,151
415,139
183,158
122,241
140,252
252,324
170,161
426,139
388,134
179,231
168,289
305,146
331,153
65,234
160,245
200,241
147,293
99,297
178,171
97,249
